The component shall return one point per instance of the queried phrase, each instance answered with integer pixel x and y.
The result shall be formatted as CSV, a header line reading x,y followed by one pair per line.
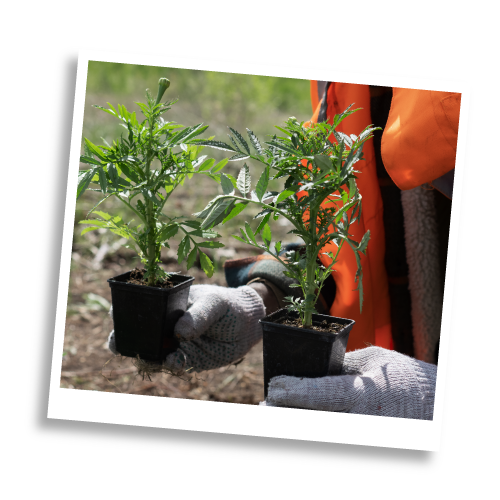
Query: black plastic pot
x,y
302,352
144,317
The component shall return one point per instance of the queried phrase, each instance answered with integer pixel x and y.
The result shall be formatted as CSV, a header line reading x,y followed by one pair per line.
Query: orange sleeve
x,y
419,143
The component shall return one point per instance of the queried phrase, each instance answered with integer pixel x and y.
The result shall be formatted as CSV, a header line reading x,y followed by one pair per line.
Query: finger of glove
x,y
205,311
176,362
338,393
360,361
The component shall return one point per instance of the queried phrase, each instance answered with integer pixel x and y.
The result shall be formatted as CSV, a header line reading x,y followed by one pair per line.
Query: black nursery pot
x,y
301,352
144,317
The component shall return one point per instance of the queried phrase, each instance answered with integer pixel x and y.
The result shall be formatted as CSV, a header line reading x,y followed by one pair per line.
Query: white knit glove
x,y
374,381
219,327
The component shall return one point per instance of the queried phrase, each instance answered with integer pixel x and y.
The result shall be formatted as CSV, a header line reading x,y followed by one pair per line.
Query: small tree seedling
x,y
142,169
320,199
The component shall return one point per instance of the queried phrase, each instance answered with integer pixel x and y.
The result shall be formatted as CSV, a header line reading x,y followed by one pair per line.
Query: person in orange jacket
x,y
406,186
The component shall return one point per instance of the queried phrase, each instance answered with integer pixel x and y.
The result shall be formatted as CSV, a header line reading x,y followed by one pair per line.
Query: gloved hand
x,y
374,381
219,327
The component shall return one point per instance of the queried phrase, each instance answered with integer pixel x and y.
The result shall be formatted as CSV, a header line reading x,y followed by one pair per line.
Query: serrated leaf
x,y
284,195
217,209
213,144
168,232
323,163
184,248
241,140
89,160
238,238
266,234
250,232
234,212
206,264
364,242
226,184
255,142
243,181
263,222
219,166
95,150
261,187
206,165
239,156
191,258
84,178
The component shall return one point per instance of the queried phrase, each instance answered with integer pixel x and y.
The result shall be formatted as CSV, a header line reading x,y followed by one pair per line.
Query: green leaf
x,y
284,195
250,232
191,258
206,165
226,184
364,242
261,188
243,182
89,160
282,147
95,150
167,232
255,142
113,175
103,181
277,247
238,238
87,229
213,144
218,208
239,156
84,178
235,211
206,264
323,163
184,248
263,222
242,141
210,244
266,234
219,166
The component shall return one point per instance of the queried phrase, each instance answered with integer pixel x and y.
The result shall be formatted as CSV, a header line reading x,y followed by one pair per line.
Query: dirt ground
x,y
87,363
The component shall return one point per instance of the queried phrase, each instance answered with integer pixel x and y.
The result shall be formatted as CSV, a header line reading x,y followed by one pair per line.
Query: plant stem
x,y
311,252
150,220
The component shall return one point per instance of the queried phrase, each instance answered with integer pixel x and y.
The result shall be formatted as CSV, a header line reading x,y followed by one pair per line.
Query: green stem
x,y
310,286
150,219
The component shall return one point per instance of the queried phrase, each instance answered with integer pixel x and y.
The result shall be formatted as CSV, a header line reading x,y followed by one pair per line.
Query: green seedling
x,y
142,169
320,199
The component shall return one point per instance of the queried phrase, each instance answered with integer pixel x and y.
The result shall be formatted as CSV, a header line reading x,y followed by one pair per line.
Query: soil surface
x,y
323,326
137,278
87,363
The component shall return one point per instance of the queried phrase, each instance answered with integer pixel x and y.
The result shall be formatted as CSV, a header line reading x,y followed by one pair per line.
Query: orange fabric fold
x,y
420,139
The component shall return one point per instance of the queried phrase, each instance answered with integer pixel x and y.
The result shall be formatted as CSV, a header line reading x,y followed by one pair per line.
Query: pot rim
x,y
185,281
346,322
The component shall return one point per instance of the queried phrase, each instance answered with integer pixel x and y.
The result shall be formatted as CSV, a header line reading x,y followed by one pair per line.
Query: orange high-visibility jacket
x,y
418,145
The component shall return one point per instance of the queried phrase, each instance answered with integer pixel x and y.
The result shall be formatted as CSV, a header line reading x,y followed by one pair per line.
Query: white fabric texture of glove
x,y
374,381
219,327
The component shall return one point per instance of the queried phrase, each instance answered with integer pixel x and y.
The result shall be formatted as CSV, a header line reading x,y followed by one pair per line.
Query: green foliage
x,y
141,169
320,198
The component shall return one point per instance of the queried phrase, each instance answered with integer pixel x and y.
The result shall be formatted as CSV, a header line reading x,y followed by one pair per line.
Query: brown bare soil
x,y
324,326
87,363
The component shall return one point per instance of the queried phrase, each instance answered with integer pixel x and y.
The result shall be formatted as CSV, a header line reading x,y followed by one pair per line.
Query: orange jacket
x,y
418,146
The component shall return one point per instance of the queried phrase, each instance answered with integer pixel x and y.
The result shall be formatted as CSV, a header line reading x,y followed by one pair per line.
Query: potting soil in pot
x,y
137,278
